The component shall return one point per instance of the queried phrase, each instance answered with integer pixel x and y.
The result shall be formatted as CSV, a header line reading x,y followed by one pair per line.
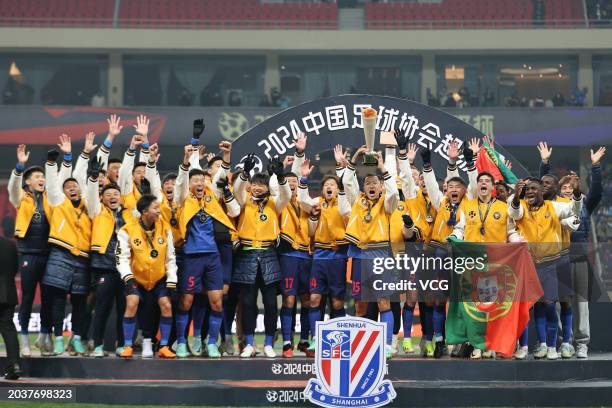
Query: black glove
x,y
222,183
249,164
401,139
145,186
52,155
198,128
426,157
278,168
407,221
468,155
94,166
270,168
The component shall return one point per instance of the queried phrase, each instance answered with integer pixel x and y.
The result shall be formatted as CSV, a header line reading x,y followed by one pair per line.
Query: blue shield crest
x,y
350,364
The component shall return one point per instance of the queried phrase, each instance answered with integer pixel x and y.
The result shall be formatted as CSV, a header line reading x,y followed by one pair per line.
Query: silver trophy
x,y
369,118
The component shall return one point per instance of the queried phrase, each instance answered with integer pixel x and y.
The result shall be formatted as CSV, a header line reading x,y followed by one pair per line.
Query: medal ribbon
x,y
147,237
482,220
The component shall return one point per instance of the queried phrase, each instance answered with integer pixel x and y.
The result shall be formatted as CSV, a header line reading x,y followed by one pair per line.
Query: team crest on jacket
x,y
350,365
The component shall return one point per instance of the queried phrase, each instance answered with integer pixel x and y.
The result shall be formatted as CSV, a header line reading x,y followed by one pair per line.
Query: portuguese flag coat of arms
x,y
489,303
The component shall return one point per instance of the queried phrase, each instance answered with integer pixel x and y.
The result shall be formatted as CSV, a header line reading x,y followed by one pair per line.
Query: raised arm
x,y
142,129
65,171
299,155
55,195
595,189
124,178
171,268
515,208
151,173
181,187
303,196
284,195
92,190
391,192
408,185
545,153
573,208
15,191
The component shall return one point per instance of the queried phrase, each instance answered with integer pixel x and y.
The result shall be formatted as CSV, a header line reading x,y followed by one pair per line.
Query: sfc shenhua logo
x,y
350,363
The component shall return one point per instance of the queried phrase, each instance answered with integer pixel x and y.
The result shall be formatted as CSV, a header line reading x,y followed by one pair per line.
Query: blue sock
x,y
539,314
181,323
567,316
407,316
438,322
304,323
198,310
387,318
165,327
286,318
129,325
313,318
248,339
339,313
524,339
552,325
214,326
269,340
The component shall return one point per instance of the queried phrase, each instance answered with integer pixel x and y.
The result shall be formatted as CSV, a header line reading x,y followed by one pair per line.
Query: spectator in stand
x,y
488,99
513,101
579,96
274,96
98,100
432,100
558,99
234,99
549,104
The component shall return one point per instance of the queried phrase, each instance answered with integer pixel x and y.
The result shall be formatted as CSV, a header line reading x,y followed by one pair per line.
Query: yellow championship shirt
x,y
258,223
331,226
368,225
294,226
484,222
542,229
71,228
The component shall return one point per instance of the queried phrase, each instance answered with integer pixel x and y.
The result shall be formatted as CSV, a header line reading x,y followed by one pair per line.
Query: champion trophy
x,y
369,117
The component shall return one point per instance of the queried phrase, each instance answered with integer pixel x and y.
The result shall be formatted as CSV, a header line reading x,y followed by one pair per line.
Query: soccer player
x,y
203,221
256,263
447,218
146,263
67,270
540,222
32,234
368,234
108,217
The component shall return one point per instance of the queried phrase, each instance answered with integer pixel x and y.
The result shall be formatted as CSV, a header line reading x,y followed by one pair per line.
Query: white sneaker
x,y
247,352
582,351
541,351
521,353
269,352
147,348
46,343
551,353
228,345
489,354
567,350
24,342
394,344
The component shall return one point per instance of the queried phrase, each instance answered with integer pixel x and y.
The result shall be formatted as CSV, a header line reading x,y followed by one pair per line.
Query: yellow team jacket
x,y
294,227
331,227
372,234
166,208
495,225
129,200
258,229
418,208
210,205
25,211
71,228
147,271
396,225
542,229
441,230
104,226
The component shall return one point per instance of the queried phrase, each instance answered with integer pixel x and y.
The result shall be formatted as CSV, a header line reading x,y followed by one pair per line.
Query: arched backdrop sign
x,y
337,120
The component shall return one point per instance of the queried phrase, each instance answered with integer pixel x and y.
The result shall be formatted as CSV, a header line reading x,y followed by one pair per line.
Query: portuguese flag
x,y
489,160
489,303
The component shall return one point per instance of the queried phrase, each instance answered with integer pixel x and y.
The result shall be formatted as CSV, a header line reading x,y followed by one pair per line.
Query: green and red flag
x,y
490,301
489,160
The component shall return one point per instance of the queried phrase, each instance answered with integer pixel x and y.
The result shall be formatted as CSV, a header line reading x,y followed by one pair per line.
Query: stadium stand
x,y
31,13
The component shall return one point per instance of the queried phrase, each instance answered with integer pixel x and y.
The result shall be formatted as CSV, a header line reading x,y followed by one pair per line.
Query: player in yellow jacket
x,y
67,270
131,175
540,222
147,265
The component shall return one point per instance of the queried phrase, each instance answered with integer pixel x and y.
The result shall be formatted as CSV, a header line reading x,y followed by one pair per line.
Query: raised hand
x,y
209,157
136,141
486,139
359,152
575,183
249,164
474,144
426,156
154,153
300,143
113,126
545,151
453,151
22,154
288,161
93,167
222,183
339,156
468,154
401,139
65,144
508,164
201,152
518,190
380,161
188,150
277,167
315,210
198,128
89,143
596,157
52,155
142,125
412,151
306,168
226,150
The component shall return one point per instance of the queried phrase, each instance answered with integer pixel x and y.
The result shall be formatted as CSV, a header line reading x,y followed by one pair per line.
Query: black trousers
x,y
248,294
58,309
110,290
9,333
31,270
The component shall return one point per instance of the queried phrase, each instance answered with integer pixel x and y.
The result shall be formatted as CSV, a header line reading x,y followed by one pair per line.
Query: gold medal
x,y
154,253
482,230
367,218
202,217
37,216
207,199
173,222
429,218
263,217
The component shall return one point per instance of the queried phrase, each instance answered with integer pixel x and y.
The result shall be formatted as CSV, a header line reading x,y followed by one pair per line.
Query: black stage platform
x,y
278,382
